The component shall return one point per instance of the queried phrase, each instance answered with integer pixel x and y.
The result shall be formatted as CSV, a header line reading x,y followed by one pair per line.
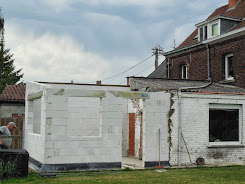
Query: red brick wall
x,y
196,61
131,134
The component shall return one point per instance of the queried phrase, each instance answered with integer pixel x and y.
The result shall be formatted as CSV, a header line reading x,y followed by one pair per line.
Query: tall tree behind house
x,y
8,75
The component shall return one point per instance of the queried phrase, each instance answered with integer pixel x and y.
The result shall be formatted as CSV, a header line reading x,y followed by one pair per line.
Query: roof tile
x,y
14,93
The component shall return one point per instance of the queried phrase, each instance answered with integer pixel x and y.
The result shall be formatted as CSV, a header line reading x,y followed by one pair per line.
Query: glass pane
x,y
223,125
215,29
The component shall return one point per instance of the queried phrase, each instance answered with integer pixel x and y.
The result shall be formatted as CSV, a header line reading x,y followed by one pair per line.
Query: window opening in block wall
x,y
36,106
84,116
224,123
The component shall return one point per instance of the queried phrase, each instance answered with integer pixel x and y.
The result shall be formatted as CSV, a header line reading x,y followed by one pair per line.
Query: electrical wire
x,y
144,70
138,74
119,74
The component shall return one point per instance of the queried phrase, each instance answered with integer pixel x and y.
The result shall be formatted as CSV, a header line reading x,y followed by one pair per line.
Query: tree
x,y
8,75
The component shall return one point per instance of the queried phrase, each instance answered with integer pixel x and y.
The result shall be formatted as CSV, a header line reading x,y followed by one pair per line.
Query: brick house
x,y
205,79
214,51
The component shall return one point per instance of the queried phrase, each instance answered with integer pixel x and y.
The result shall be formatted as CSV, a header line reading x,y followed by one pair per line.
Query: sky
x,y
85,41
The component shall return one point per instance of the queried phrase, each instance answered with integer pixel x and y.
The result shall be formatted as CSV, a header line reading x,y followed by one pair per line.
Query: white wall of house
x,y
195,130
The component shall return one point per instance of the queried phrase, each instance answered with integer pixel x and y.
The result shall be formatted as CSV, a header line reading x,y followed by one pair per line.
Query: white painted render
x,y
195,130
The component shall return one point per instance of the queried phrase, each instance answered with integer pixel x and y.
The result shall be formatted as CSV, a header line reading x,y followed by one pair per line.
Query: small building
x,y
12,101
77,127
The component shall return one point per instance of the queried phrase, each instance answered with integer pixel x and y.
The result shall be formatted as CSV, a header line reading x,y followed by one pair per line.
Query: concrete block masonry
x,y
73,133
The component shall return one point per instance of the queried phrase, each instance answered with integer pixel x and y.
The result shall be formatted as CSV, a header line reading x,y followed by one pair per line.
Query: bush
x,y
7,170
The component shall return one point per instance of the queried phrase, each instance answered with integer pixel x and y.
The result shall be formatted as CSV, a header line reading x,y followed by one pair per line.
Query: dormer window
x,y
215,26
215,29
203,33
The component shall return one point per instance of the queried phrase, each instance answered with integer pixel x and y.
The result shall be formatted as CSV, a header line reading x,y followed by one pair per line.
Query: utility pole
x,y
156,51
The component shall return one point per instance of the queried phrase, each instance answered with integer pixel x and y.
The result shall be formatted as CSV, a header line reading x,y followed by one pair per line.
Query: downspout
x,y
168,68
208,52
180,127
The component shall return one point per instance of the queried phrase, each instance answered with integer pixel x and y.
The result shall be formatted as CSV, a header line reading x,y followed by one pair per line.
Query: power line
x,y
119,74
144,70
137,74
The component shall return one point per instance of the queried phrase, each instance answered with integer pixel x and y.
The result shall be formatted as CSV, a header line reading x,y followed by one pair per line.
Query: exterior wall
x,y
217,65
195,130
61,147
34,143
155,117
6,110
197,63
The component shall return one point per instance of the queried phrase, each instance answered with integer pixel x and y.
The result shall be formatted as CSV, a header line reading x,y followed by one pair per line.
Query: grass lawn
x,y
233,174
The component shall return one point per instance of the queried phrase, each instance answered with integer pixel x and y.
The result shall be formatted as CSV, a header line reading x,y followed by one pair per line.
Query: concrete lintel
x,y
85,93
131,95
76,92
34,96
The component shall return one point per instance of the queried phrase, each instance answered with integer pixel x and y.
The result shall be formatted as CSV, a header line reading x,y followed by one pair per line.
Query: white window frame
x,y
223,107
227,67
184,67
210,28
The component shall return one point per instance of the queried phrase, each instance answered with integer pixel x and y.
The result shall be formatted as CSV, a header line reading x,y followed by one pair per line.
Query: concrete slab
x,y
132,163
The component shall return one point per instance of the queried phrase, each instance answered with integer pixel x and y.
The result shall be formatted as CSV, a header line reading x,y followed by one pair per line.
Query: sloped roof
x,y
236,12
14,93
160,72
153,85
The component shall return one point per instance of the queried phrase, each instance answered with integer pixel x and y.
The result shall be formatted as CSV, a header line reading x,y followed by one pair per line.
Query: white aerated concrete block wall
x,y
64,144
34,143
56,143
195,130
155,117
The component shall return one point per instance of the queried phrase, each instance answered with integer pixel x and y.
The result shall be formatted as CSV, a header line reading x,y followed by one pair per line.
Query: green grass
x,y
234,174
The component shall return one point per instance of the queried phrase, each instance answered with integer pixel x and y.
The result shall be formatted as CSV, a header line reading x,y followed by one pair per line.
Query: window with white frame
x,y
225,123
214,28
209,30
229,75
203,33
183,71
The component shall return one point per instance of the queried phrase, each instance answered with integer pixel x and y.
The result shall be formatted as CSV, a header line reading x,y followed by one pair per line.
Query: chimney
x,y
232,3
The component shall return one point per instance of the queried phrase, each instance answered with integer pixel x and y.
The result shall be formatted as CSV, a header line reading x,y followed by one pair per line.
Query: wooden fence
x,y
17,133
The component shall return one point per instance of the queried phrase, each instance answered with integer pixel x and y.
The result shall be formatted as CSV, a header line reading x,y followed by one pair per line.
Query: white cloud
x,y
51,57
